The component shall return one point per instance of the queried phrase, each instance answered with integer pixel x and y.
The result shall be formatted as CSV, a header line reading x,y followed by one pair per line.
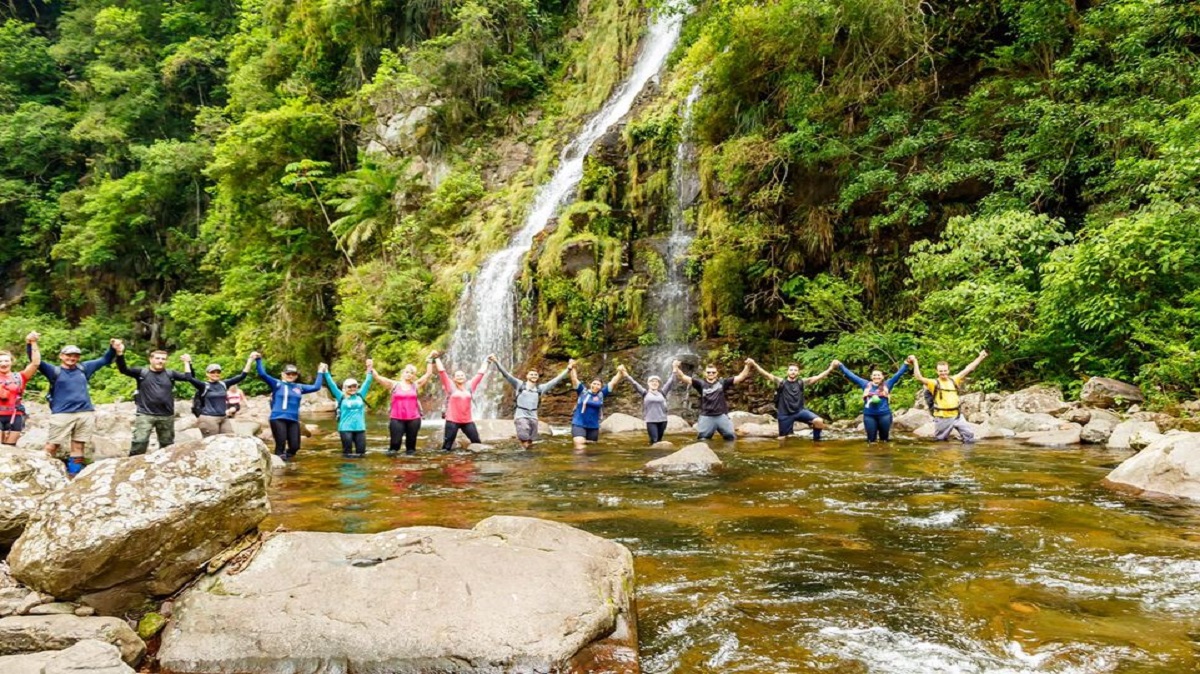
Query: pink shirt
x,y
458,401
404,402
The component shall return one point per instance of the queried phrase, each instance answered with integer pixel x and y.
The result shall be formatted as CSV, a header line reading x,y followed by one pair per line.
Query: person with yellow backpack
x,y
943,398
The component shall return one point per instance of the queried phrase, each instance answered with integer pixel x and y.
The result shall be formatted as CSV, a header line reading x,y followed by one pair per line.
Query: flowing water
x,y
486,313
832,557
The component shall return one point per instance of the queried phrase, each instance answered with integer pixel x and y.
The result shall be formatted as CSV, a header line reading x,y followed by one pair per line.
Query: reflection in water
x,y
835,557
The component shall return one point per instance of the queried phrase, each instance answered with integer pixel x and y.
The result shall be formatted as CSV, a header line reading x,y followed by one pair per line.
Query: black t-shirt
x,y
789,397
712,396
155,390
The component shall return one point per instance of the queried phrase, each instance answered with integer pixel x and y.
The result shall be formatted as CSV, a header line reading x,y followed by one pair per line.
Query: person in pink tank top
x,y
458,403
405,421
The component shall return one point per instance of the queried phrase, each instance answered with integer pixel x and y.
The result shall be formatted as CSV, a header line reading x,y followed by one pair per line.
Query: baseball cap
x,y
350,382
213,367
70,349
290,369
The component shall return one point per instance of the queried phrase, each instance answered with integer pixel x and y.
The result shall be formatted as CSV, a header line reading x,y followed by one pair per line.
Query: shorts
x,y
12,423
589,434
787,423
71,427
527,429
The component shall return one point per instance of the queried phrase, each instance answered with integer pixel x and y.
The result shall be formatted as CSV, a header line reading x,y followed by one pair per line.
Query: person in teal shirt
x,y
352,412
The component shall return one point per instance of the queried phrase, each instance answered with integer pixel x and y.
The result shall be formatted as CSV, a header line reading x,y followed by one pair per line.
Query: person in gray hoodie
x,y
654,402
529,397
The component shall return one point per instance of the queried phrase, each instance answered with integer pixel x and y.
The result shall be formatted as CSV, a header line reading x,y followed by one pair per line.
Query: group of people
x,y
217,400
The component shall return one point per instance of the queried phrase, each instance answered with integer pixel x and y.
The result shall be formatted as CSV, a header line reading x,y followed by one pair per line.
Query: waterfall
x,y
486,312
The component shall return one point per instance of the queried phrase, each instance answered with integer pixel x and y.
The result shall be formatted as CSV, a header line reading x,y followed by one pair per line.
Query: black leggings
x,y
287,434
403,429
656,430
356,440
877,426
452,433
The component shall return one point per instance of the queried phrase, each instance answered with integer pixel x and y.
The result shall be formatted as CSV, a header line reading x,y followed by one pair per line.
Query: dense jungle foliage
x,y
878,177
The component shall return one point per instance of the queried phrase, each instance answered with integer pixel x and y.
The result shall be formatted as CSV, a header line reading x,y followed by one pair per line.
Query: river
x,y
831,557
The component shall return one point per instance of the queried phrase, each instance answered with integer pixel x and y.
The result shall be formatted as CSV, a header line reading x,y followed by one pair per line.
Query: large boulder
x,y
35,633
912,419
739,417
695,458
677,424
1059,438
622,423
1024,422
143,526
1099,427
84,657
762,430
513,594
1169,465
1127,433
26,477
1038,399
1104,393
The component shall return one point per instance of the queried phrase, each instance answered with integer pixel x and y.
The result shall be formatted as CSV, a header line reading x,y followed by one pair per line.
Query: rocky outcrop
x,y
26,477
1169,465
1128,433
1036,400
695,458
32,634
511,595
1058,438
143,526
622,423
84,657
1103,392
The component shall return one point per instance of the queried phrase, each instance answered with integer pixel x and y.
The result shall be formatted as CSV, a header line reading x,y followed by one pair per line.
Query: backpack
x,y
931,396
198,401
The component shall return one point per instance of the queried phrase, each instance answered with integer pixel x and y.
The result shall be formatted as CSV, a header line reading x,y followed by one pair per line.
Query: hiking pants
x,y
163,427
878,426
656,430
287,437
944,425
356,440
403,430
452,433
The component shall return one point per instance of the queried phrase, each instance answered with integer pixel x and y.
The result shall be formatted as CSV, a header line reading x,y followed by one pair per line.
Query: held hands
x,y
32,338
835,363
983,354
117,345
322,368
675,364
571,364
370,365
622,370
254,355
186,358
491,358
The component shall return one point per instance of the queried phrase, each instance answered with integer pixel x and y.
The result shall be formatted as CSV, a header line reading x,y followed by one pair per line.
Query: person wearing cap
x,y
528,399
155,400
654,402
212,396
285,406
12,387
351,411
72,415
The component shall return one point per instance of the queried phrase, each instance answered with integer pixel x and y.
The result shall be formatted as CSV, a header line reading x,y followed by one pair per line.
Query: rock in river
x,y
1169,465
695,458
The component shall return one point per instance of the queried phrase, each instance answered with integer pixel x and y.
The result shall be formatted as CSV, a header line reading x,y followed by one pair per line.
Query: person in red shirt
x,y
12,387
458,403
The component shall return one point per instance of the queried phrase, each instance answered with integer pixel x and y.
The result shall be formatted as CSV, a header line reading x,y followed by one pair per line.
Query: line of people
x,y
217,400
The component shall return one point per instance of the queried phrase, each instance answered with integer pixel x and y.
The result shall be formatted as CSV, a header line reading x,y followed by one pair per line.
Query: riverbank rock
x,y
912,419
513,594
663,444
677,424
761,430
84,657
1103,392
1127,433
1038,399
1023,422
26,477
144,525
1060,438
32,634
1169,465
622,423
1099,427
697,457
740,417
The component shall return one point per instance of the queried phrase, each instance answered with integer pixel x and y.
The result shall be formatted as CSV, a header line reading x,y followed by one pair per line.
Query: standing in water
x,y
211,407
585,421
877,412
351,411
944,397
285,406
789,399
405,419
459,393
12,387
155,399
654,402
529,398
714,406
72,415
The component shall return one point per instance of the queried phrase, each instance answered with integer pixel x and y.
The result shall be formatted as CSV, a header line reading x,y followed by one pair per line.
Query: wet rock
x,y
26,477
1126,433
493,431
143,526
663,444
1169,465
677,424
912,419
150,624
1024,422
185,422
478,447
765,430
622,423
83,657
1059,438
1165,422
512,594
245,428
1098,430
1104,393
1038,399
695,458
31,634
739,417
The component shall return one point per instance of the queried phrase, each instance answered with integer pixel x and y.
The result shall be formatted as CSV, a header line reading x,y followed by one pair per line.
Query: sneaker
x,y
74,465
347,455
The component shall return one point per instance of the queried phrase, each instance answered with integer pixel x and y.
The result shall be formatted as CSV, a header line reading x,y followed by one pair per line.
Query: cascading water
x,y
486,312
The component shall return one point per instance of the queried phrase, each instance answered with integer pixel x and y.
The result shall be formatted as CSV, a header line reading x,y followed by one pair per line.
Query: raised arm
x,y
858,381
554,382
119,350
668,383
389,383
90,367
747,368
366,385
761,371
262,371
971,367
818,377
917,370
641,390
612,383
187,375
323,374
891,383
35,355
574,375
513,381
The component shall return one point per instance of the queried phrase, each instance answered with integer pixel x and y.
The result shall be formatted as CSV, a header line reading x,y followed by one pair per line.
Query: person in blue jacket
x,y
585,421
352,411
285,406
877,413
72,415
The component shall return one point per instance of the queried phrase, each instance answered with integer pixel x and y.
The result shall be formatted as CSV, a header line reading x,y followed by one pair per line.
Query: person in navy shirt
x,y
585,422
